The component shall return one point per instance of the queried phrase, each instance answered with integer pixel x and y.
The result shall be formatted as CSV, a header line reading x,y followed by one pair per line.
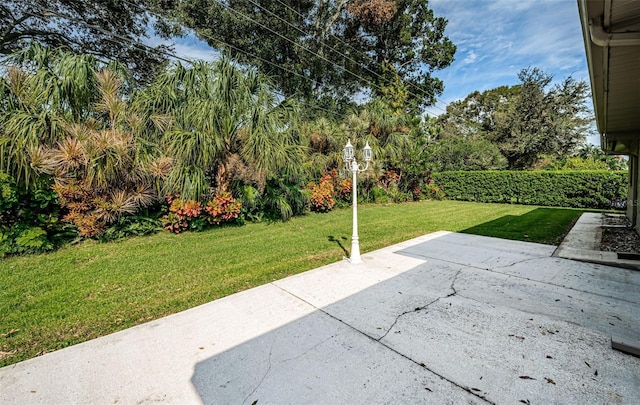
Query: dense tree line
x,y
98,153
105,141
324,52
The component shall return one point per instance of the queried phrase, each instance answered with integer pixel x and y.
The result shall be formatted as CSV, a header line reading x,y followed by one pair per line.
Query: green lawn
x,y
81,292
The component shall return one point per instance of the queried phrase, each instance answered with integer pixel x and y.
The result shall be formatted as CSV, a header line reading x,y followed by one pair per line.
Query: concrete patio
x,y
443,318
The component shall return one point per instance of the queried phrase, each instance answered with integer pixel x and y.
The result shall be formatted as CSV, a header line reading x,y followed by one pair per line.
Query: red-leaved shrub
x,y
322,194
223,208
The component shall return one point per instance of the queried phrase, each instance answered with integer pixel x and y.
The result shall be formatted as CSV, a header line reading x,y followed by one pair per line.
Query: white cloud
x,y
498,38
188,47
471,57
195,49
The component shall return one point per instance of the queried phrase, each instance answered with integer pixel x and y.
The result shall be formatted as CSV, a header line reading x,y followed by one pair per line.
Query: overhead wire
x,y
297,44
175,56
140,45
369,82
251,55
350,46
230,8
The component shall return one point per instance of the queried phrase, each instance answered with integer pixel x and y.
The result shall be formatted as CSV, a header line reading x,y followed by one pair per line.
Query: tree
x,y
335,47
474,117
410,42
67,121
42,92
221,123
594,153
541,120
526,121
108,29
323,139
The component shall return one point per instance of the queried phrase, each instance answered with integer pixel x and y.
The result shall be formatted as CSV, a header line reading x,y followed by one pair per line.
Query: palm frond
x,y
42,161
109,86
161,167
118,203
189,182
69,156
143,196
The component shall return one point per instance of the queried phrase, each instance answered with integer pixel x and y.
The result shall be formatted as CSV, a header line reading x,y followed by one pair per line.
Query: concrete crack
x,y
517,276
453,282
420,308
515,263
309,350
449,380
265,373
533,280
405,313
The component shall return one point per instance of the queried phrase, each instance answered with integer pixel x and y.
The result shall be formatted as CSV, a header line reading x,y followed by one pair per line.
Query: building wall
x,y
632,196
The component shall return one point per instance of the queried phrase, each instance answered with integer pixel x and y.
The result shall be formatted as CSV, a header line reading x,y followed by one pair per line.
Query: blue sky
x,y
498,38
495,40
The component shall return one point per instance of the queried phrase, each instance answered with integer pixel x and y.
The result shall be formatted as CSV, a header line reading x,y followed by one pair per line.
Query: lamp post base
x,y
353,261
355,252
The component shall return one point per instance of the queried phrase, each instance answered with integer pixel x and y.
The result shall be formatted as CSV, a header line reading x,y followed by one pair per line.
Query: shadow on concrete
x,y
456,319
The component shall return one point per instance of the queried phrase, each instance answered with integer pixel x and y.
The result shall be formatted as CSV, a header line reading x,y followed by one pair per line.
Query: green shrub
x,y
20,239
8,198
127,226
398,196
30,220
433,191
283,199
379,195
577,189
33,240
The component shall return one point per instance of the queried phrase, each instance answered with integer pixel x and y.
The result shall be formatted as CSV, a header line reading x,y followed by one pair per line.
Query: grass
x,y
89,290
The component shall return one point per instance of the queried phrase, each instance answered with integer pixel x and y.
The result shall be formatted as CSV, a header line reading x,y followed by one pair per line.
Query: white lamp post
x,y
352,166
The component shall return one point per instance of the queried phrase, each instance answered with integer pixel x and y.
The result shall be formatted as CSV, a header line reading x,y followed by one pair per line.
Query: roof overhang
x,y
611,31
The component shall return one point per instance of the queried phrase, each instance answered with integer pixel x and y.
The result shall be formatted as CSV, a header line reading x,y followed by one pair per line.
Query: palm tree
x,y
42,91
323,140
223,121
67,120
102,169
388,132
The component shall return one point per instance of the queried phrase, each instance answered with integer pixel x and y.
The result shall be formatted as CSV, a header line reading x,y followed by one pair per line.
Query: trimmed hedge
x,y
577,189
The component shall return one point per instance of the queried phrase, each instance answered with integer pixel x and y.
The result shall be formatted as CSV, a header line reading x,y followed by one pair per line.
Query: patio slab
x,y
443,318
582,243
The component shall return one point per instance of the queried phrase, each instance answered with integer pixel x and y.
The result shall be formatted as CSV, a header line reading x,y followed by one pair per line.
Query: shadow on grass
x,y
332,238
540,225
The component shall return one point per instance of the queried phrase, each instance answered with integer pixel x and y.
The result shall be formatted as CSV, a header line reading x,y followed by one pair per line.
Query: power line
x,y
230,46
311,51
140,45
296,44
259,58
308,34
370,83
349,45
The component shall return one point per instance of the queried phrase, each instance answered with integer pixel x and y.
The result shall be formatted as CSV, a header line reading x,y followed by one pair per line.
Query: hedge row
x,y
577,189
